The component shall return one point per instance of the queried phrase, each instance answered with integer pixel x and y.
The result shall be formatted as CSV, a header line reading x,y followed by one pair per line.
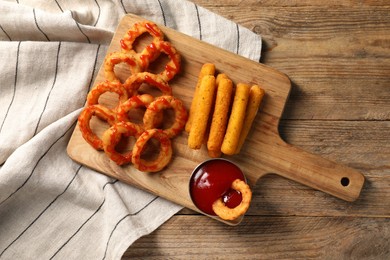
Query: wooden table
x,y
337,55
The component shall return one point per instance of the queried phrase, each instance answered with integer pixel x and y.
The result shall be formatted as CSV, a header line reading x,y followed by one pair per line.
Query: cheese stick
x,y
207,69
220,115
236,120
256,95
203,110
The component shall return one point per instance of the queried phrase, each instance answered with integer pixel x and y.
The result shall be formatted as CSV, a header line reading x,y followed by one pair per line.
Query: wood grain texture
x,y
337,55
193,237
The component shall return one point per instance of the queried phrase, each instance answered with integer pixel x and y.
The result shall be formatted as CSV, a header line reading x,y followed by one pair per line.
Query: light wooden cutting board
x,y
264,151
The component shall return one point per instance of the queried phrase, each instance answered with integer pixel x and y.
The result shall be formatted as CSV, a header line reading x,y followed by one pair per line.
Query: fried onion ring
x,y
133,103
135,81
227,213
106,86
112,137
137,30
165,102
152,51
116,58
85,117
164,156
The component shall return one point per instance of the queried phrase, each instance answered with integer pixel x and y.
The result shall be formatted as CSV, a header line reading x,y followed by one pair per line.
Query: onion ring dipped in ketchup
x,y
227,213
218,188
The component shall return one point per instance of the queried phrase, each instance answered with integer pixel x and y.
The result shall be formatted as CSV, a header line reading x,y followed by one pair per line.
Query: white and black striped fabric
x,y
50,52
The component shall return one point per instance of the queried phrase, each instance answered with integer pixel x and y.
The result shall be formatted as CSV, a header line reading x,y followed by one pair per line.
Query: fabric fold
x,y
50,206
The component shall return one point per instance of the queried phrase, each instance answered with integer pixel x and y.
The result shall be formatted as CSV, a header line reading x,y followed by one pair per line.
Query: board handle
x,y
317,172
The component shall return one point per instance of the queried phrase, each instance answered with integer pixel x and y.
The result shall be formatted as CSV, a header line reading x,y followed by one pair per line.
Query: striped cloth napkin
x,y
50,206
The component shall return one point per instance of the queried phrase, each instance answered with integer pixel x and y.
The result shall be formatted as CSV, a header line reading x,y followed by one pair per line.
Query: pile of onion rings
x,y
119,117
140,61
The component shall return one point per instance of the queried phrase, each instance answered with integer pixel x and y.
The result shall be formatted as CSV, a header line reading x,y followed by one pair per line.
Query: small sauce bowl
x,y
212,180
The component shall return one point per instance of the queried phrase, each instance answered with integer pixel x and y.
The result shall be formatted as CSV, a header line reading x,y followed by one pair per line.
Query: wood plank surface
x,y
337,55
192,237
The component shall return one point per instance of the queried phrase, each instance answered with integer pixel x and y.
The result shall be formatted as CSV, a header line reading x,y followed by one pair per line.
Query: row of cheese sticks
x,y
213,117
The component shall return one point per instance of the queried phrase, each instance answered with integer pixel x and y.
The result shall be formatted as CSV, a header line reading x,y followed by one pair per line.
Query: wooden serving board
x,y
264,151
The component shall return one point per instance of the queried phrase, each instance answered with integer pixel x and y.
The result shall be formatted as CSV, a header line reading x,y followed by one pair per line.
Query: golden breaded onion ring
x,y
227,213
165,102
139,28
84,119
174,64
133,83
115,58
164,156
103,87
112,137
154,50
134,102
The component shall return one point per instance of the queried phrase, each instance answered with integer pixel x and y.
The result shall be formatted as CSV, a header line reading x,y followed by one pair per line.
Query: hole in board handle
x,y
345,181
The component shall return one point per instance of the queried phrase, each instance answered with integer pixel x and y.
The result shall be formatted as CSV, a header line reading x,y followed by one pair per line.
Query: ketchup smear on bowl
x,y
212,180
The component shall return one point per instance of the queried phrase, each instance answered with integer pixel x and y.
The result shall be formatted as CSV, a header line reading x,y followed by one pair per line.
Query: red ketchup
x,y
211,181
